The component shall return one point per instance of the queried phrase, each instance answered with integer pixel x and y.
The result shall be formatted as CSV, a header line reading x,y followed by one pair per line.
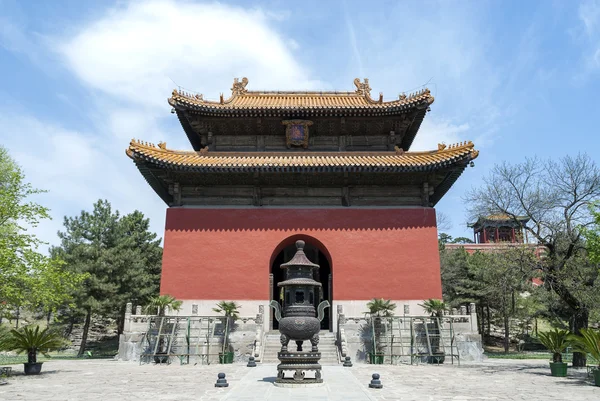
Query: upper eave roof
x,y
242,100
499,219
205,161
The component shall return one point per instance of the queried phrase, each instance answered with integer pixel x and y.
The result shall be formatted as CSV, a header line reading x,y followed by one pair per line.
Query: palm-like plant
x,y
379,307
556,341
161,302
435,307
587,342
228,308
32,340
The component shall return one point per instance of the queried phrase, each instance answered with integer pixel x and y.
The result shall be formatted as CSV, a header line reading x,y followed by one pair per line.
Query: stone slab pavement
x,y
94,380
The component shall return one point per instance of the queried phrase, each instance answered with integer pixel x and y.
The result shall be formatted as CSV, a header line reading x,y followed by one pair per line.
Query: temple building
x,y
269,168
499,228
497,232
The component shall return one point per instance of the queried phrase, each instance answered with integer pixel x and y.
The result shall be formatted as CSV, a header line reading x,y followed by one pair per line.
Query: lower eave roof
x,y
205,161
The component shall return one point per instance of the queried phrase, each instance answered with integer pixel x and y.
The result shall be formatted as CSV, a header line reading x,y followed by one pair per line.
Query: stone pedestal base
x,y
294,366
291,384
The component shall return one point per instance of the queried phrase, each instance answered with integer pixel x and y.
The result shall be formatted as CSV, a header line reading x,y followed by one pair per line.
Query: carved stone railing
x,y
342,342
461,322
136,327
259,339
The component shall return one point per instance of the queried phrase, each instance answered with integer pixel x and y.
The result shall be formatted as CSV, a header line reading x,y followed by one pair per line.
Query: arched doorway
x,y
316,253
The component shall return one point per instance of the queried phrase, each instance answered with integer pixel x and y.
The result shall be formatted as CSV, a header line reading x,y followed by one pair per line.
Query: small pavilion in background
x,y
497,232
499,228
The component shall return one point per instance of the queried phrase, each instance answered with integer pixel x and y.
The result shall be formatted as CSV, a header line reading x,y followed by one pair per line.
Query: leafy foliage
x,y
587,342
160,303
379,307
229,309
555,195
435,307
498,280
31,340
27,278
120,257
556,341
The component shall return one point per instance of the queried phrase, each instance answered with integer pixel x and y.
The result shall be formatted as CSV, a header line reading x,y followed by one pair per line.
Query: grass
x,y
518,355
567,357
65,355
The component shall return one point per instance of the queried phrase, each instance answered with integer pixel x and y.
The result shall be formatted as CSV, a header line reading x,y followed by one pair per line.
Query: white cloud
x,y
77,169
126,60
433,132
589,16
136,53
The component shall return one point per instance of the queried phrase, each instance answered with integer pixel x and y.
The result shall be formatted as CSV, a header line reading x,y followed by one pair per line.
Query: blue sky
x,y
79,79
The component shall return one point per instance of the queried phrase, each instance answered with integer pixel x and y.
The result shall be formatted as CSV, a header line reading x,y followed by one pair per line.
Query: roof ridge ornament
x,y
399,151
441,146
362,88
239,88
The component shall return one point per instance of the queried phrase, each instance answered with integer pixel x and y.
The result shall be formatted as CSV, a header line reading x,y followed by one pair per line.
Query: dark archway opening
x,y
322,275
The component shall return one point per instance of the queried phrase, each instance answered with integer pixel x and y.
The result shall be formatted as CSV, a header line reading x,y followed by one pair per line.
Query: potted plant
x,y
378,308
159,306
229,309
31,340
588,342
557,342
435,308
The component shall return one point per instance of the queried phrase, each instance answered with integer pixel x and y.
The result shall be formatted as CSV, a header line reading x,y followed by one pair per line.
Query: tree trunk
x,y
121,321
32,356
18,315
579,321
488,321
86,328
70,327
506,333
482,324
48,317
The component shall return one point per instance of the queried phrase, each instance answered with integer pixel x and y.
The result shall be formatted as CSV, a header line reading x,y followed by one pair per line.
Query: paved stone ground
x,y
124,381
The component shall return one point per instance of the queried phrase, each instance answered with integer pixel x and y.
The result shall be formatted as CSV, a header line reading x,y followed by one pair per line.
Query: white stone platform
x,y
96,380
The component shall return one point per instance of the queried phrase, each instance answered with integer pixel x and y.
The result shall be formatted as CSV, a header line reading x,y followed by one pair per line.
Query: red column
x,y
484,235
513,235
497,235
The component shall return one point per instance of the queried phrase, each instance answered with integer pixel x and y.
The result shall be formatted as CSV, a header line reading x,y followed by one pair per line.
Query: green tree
x,y
460,285
120,257
507,274
27,277
462,240
555,196
137,259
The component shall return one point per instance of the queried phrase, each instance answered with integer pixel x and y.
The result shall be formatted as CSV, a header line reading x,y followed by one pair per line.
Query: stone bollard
x,y
347,362
221,381
251,362
375,382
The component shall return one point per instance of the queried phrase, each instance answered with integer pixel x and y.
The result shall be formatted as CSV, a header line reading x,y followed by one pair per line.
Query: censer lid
x,y
299,258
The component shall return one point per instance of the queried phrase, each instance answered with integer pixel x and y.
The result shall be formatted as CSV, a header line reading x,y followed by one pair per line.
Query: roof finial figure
x,y
239,88
362,88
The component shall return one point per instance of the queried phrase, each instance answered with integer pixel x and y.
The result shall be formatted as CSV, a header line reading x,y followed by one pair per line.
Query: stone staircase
x,y
327,347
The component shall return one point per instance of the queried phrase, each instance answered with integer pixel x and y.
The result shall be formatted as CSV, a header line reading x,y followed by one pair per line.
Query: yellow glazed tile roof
x,y
301,161
249,100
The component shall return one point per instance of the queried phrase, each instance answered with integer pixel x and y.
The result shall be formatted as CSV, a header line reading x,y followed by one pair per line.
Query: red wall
x,y
226,253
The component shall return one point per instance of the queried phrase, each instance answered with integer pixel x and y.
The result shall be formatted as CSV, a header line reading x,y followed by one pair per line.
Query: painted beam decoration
x,y
296,132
